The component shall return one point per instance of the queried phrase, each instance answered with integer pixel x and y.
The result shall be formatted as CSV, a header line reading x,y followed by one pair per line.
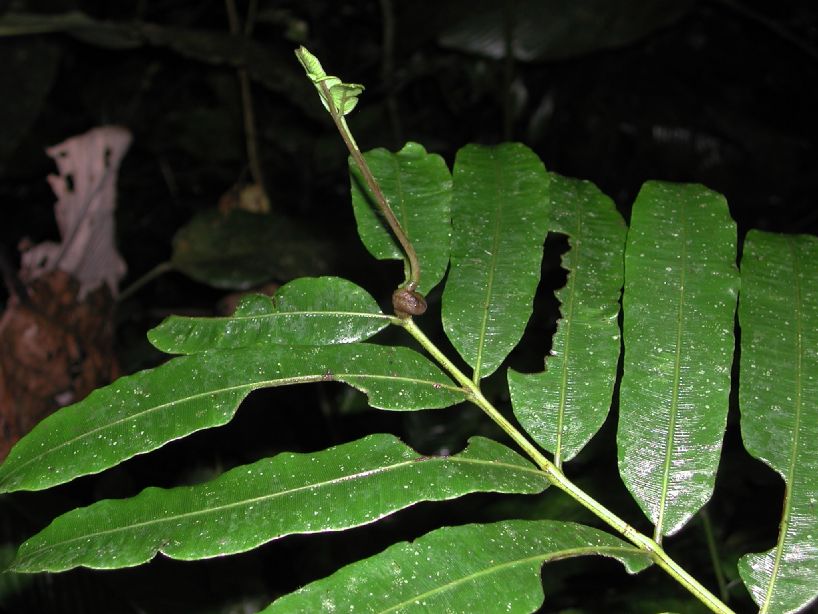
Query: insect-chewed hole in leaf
x,y
536,342
743,485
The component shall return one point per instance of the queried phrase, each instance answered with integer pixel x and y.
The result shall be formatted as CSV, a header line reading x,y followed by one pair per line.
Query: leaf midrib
x,y
542,558
262,316
791,469
305,379
498,210
270,496
566,348
674,405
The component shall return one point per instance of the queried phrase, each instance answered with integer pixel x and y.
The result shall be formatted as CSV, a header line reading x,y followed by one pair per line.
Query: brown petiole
x,y
406,301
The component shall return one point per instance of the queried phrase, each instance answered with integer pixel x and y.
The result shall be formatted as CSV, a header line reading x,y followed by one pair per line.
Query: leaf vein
x,y
787,507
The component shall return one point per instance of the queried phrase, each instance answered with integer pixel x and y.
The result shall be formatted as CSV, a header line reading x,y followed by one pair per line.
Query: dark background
x,y
718,92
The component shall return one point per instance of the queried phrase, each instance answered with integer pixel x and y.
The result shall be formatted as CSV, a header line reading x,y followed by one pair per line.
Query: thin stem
x,y
250,133
159,269
387,57
372,183
474,393
643,542
232,16
712,548
248,114
250,21
558,478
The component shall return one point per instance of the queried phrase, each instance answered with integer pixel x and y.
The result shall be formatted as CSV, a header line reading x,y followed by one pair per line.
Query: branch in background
x,y
772,26
387,69
508,69
250,134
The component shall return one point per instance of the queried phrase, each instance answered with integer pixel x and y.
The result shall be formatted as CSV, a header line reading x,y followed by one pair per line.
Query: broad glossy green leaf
x,y
562,407
679,303
342,487
778,396
239,249
306,311
418,186
142,412
500,209
471,568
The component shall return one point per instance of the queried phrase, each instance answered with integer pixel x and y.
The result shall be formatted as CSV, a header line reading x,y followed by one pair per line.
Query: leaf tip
x,y
310,63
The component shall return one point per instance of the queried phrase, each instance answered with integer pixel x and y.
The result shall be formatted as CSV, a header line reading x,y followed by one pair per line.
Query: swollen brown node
x,y
408,302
